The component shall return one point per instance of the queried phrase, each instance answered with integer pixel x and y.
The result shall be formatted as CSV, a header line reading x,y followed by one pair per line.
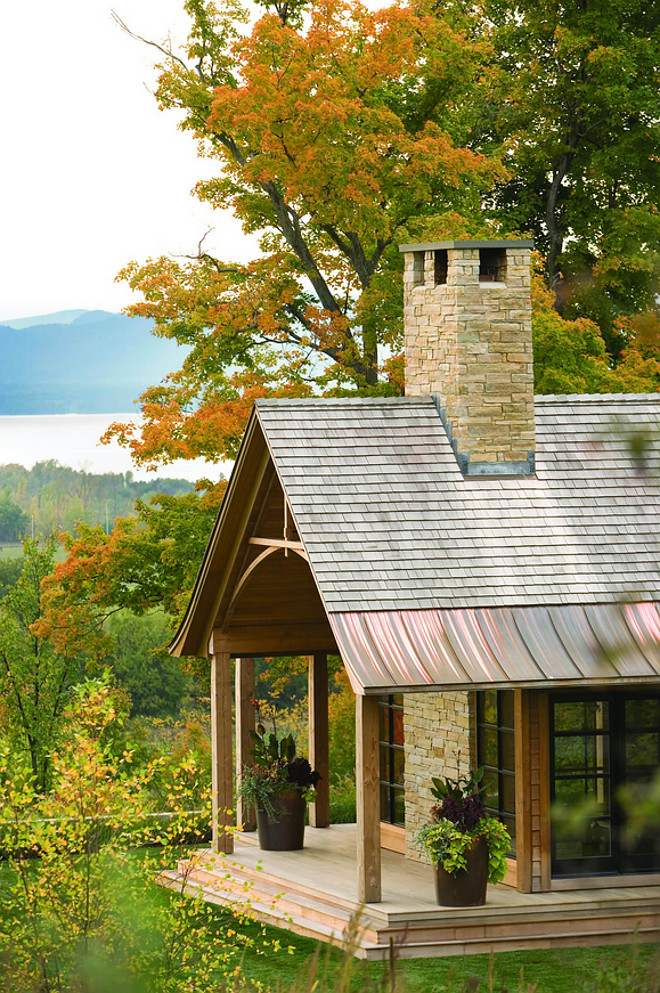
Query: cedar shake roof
x,y
390,523
432,579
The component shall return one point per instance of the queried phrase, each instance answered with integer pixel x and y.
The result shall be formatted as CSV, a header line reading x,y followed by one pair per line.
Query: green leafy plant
x,y
458,819
276,768
79,908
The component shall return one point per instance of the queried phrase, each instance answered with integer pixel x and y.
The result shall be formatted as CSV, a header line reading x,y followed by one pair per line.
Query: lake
x,y
73,440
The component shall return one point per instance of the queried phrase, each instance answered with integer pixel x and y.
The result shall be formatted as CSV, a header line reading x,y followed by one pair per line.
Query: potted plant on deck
x,y
466,845
278,785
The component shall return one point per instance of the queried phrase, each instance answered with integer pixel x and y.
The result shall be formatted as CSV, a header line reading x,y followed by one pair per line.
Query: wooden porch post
x,y
244,695
319,812
221,752
368,799
523,780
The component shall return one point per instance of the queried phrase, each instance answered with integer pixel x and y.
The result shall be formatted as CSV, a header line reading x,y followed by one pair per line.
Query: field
x,y
8,551
11,551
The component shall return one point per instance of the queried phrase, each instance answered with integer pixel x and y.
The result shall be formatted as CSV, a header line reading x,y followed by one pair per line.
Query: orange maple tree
x,y
338,132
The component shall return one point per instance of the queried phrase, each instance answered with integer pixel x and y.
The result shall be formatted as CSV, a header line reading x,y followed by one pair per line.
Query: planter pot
x,y
285,831
468,887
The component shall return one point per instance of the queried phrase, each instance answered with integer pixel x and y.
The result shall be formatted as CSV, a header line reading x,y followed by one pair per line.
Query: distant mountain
x,y
60,317
80,362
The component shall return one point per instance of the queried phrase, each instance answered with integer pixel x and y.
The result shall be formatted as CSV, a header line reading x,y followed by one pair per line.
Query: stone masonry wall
x,y
438,735
471,343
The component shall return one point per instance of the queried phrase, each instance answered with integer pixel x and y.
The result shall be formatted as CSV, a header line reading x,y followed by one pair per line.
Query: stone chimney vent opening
x,y
440,266
492,265
418,268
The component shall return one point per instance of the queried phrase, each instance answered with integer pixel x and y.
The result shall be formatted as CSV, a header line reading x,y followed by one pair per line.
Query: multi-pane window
x,y
392,790
605,751
495,754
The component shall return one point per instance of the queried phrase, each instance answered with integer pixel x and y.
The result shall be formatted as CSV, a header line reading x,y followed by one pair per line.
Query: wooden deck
x,y
314,892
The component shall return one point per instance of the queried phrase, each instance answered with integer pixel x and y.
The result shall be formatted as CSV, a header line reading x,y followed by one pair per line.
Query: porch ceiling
x,y
516,646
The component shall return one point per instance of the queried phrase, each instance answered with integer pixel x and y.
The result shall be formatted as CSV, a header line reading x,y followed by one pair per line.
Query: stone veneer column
x,y
470,342
438,736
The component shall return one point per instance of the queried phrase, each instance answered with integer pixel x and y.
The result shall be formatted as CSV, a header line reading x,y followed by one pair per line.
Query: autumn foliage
x,y
338,133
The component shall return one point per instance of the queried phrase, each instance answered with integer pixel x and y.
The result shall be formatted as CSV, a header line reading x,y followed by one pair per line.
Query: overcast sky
x,y
92,173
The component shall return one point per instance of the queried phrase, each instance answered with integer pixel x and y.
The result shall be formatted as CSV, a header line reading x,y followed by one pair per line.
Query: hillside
x,y
79,362
51,495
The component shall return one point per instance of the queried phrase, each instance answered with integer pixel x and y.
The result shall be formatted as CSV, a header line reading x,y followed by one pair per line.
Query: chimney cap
x,y
431,246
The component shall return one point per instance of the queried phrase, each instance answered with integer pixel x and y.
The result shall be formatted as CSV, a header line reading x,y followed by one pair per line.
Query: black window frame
x,y
390,789
499,771
620,861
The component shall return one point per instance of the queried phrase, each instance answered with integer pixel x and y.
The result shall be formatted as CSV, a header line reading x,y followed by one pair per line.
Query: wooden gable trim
x,y
219,560
246,537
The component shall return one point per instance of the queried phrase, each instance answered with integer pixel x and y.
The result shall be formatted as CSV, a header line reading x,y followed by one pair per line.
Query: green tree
x,y
10,570
35,678
576,105
570,356
13,522
141,664
86,915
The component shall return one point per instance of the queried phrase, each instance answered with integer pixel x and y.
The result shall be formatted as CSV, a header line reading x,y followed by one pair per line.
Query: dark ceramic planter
x,y
468,887
285,832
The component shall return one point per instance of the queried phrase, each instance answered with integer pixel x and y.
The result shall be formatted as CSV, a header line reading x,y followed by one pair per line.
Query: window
x,y
496,754
605,750
492,265
392,789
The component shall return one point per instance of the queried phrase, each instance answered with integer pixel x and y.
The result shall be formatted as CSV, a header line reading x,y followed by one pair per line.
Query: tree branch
x,y
168,53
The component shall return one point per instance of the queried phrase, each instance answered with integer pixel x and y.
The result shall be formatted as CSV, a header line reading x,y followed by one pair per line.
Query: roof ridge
x,y
424,400
601,398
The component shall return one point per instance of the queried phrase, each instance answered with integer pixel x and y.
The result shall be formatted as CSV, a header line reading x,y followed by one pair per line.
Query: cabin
x,y
486,564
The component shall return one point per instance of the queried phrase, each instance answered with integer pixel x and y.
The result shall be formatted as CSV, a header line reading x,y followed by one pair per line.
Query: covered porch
x,y
315,892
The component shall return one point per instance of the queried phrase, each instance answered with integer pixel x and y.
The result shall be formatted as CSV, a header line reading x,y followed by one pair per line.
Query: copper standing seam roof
x,y
403,650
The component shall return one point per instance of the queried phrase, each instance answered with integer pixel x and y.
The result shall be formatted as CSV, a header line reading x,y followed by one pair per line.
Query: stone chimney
x,y
468,341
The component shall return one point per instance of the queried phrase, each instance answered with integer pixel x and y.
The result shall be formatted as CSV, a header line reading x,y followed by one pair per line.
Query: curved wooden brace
x,y
261,557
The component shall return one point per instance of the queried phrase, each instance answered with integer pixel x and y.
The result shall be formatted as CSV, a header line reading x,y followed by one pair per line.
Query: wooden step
x,y
558,924
456,935
443,947
300,918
